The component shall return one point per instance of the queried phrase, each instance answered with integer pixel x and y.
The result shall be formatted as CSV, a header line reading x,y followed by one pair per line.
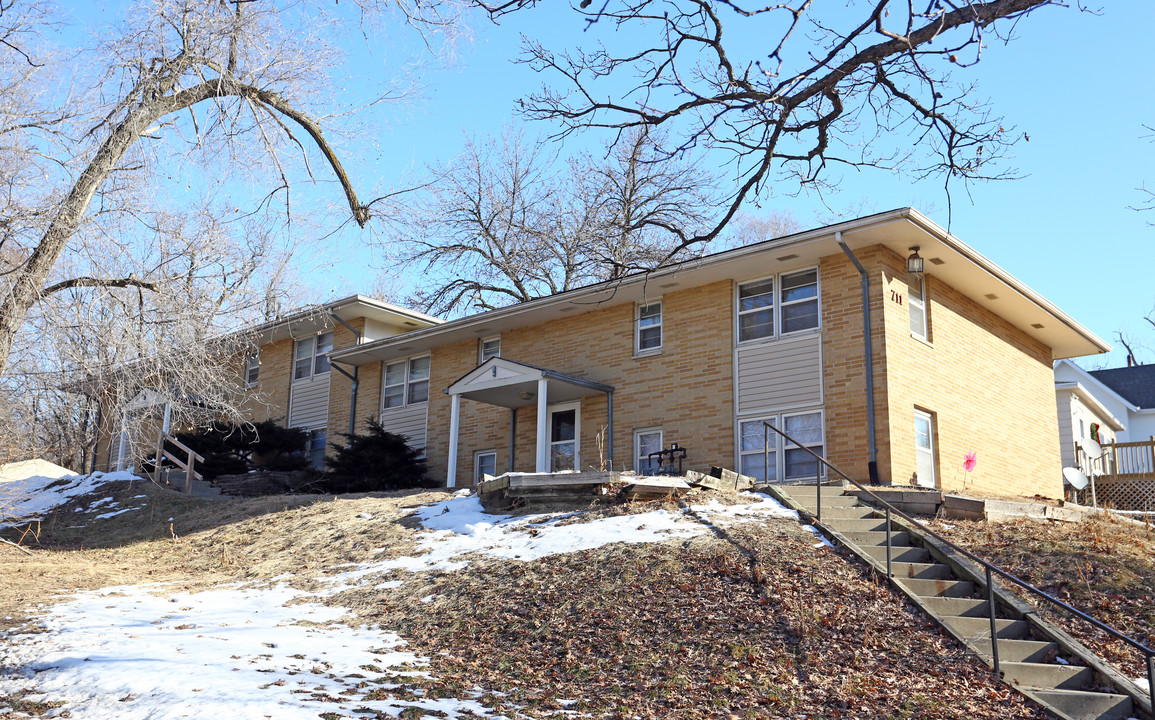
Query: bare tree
x,y
232,86
506,222
827,86
111,285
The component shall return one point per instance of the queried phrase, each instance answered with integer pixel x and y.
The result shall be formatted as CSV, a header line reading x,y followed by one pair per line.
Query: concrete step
x,y
1083,705
1032,651
978,628
1047,676
878,539
847,525
920,570
960,607
897,554
850,513
938,588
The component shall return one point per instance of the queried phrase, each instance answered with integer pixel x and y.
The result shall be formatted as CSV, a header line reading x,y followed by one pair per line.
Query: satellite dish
x,y
1075,477
1091,448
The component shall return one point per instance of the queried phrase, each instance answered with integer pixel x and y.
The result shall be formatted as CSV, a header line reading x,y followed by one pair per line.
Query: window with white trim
x,y
252,369
406,382
646,441
766,456
311,356
648,324
489,348
916,302
484,463
778,305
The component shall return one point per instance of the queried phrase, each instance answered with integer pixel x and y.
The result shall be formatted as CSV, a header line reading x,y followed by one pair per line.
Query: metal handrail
x,y
988,566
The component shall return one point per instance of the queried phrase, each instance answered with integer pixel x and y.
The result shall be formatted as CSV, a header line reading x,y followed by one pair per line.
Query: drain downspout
x,y
352,378
872,465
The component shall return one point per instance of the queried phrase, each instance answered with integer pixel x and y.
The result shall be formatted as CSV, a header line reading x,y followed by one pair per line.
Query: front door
x,y
564,432
924,448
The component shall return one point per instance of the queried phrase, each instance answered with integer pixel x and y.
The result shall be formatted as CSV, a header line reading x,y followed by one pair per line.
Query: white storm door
x,y
564,431
924,449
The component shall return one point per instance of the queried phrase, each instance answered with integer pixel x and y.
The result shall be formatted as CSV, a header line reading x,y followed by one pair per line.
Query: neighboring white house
x,y
1117,404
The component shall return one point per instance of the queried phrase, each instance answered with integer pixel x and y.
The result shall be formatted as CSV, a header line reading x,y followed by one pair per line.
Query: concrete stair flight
x,y
1029,661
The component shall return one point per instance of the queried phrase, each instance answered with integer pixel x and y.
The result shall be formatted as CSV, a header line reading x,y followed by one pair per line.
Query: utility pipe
x,y
352,378
872,465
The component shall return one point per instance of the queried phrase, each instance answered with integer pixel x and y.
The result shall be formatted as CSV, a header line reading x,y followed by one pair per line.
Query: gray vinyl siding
x,y
410,421
779,375
1067,421
309,402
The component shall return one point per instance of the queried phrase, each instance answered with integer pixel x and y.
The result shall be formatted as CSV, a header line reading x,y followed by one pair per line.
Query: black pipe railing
x,y
990,568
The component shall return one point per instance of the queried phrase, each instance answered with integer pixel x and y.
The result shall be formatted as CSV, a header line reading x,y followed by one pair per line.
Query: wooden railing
x,y
1129,459
188,464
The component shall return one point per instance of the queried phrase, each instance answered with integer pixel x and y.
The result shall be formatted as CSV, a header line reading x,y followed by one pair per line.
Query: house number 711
x,y
896,296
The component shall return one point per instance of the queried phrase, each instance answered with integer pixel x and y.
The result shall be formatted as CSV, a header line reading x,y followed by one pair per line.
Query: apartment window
x,y
490,348
756,310
767,456
252,369
316,449
646,442
406,382
649,328
788,302
484,463
311,356
916,302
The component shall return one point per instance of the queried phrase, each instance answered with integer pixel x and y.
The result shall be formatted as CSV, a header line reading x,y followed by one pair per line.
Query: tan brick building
x,y
701,353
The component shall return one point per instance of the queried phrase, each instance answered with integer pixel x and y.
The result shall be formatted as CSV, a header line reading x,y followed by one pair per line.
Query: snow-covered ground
x,y
143,652
30,490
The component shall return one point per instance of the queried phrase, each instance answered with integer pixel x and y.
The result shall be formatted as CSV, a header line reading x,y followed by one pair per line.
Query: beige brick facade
x,y
986,383
686,390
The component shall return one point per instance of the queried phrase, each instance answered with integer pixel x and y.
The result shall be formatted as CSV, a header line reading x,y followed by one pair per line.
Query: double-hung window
x,y
645,442
778,305
252,369
916,302
767,456
311,356
406,382
490,347
648,337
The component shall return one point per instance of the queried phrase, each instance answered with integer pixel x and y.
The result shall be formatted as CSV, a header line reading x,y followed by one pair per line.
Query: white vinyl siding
x,y
780,375
410,421
309,402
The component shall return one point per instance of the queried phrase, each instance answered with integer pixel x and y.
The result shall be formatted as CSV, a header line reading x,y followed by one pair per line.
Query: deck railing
x,y
991,570
188,464
1123,477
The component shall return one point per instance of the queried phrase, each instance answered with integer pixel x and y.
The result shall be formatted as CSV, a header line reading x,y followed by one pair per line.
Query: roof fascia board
x,y
1095,382
1003,276
1092,402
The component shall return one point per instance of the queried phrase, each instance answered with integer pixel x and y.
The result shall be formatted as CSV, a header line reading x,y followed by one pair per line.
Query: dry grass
x,y
751,622
1100,565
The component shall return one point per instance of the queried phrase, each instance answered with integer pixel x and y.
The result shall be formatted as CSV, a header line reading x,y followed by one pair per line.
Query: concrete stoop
x,y
1037,658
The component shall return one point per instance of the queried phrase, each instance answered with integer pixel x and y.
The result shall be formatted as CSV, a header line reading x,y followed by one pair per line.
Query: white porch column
x,y
542,426
454,424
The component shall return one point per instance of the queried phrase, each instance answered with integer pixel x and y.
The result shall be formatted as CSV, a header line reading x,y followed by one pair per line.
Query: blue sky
x,y
1078,83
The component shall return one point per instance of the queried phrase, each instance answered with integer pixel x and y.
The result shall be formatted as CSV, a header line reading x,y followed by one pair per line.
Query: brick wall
x,y
988,386
686,390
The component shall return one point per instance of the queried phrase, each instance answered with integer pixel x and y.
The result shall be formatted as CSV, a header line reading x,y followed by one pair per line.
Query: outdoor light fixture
x,y
914,262
526,395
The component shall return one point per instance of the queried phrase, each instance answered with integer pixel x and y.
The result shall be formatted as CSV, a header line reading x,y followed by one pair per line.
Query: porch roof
x,y
512,384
